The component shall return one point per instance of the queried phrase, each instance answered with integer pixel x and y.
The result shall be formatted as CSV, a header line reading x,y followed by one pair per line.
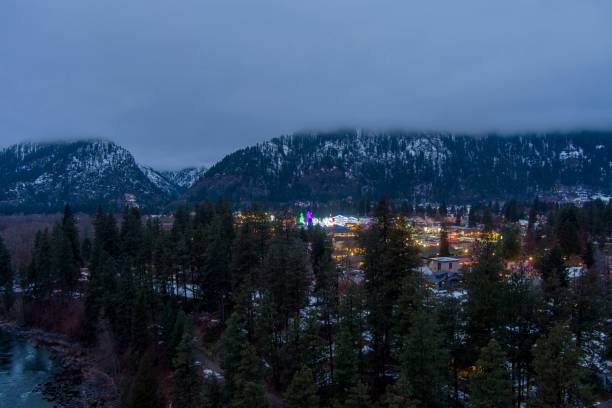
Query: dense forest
x,y
265,301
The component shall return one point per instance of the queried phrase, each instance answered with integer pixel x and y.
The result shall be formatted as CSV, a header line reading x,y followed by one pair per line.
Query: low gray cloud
x,y
185,82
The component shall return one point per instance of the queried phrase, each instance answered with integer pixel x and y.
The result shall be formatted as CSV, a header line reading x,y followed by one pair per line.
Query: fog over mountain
x,y
184,83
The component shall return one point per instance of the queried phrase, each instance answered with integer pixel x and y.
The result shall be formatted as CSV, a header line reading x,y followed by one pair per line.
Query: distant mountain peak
x,y
41,177
186,177
174,182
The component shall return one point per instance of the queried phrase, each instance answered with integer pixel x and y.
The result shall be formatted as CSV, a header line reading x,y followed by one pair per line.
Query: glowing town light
x,y
301,219
308,217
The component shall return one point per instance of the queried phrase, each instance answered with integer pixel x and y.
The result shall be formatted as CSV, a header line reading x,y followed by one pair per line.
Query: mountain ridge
x,y
317,167
348,165
41,177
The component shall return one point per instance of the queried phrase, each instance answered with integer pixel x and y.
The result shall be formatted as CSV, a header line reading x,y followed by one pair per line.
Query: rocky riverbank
x,y
77,381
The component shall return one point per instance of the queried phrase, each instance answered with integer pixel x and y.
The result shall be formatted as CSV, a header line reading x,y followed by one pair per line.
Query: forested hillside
x,y
42,177
220,309
355,165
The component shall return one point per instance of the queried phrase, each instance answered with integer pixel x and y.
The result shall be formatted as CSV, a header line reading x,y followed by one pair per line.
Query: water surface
x,y
22,368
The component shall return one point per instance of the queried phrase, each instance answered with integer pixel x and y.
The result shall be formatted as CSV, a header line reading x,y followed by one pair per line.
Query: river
x,y
22,368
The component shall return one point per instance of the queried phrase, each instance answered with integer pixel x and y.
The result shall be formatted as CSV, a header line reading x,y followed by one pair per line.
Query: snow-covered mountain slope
x,y
41,177
353,165
174,183
184,178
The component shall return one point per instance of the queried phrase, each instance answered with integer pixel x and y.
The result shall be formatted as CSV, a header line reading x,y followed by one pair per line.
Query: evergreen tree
x,y
180,324
186,386
248,254
443,209
588,255
490,386
530,239
64,264
349,343
326,289
145,390
444,245
559,377
358,397
533,216
140,330
390,255
487,220
587,300
122,304
249,390
211,393
451,317
472,217
106,239
167,322
100,296
521,328
511,243
43,259
249,395
424,360
71,232
555,287
512,211
6,269
6,275
234,339
311,346
131,238
286,281
399,395
484,287
302,391
86,248
567,231
217,281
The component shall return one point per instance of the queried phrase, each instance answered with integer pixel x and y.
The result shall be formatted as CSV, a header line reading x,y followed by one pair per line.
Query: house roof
x,y
574,271
444,259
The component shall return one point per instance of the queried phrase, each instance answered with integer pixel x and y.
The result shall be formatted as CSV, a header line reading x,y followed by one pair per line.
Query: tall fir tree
x,y
490,385
140,336
521,328
399,395
145,390
6,275
444,249
249,390
302,391
487,220
358,397
186,391
559,377
484,288
212,396
64,264
425,361
71,232
511,243
390,255
568,231
349,342
233,340
555,284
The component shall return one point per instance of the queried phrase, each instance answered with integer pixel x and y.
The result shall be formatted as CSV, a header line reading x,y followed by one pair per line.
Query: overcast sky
x,y
184,82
